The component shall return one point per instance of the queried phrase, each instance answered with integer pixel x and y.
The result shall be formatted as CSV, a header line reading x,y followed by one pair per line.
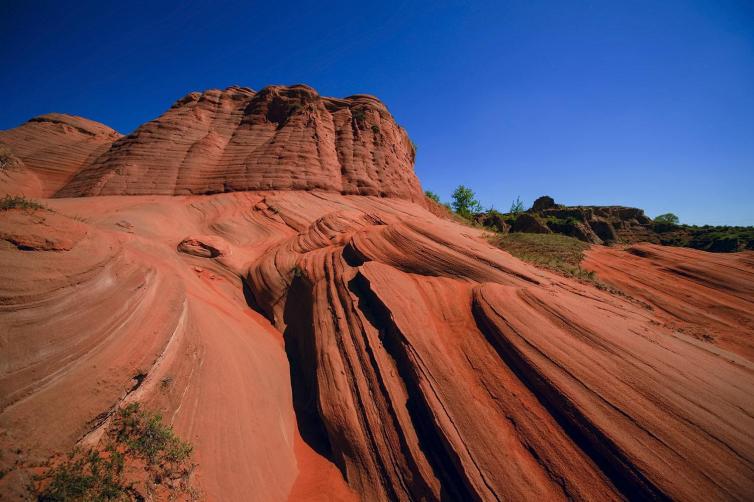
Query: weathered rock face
x,y
287,138
595,224
15,177
53,147
337,347
529,224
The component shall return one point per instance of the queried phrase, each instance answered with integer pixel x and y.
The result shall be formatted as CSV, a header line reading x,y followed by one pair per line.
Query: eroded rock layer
x,y
283,138
53,147
315,346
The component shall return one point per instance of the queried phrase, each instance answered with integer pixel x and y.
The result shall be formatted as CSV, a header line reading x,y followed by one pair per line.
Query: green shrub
x,y
668,218
465,202
134,436
517,206
432,195
146,437
88,476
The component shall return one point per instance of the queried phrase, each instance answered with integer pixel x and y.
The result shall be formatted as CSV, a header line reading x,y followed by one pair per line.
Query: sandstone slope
x,y
52,147
333,347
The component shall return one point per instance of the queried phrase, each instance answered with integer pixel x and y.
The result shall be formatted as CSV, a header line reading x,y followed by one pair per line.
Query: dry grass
x,y
554,252
19,202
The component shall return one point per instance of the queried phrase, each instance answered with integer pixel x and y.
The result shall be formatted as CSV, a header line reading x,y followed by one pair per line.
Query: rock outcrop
x,y
54,147
596,224
593,224
280,138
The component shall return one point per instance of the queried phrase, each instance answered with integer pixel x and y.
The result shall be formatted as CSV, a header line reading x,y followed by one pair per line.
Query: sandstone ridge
x,y
279,138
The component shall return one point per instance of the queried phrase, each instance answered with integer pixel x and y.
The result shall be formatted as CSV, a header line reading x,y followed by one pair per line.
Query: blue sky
x,y
641,103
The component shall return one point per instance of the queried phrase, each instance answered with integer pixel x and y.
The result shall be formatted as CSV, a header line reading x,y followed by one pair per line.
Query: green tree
x,y
432,195
667,219
465,202
517,206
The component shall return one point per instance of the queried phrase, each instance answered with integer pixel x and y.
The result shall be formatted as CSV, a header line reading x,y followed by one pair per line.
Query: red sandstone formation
x,y
717,291
287,138
320,346
53,148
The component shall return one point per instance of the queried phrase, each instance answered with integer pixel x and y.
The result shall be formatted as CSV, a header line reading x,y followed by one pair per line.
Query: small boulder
x,y
493,220
542,203
529,224
205,246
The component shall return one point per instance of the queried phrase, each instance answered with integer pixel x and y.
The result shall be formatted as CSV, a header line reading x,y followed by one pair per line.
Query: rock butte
x,y
320,342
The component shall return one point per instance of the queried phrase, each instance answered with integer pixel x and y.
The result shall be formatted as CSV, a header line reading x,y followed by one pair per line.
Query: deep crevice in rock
x,y
441,456
301,349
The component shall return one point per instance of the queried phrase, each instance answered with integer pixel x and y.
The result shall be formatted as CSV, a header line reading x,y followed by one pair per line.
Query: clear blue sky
x,y
641,103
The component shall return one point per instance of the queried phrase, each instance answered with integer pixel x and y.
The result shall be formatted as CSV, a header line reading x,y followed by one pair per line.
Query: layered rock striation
x,y
53,147
280,138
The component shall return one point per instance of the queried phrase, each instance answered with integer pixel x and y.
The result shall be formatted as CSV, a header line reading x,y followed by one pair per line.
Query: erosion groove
x,y
622,473
445,464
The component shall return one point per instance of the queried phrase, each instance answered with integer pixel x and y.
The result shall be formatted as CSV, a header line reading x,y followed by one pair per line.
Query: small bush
x,y
517,206
375,129
359,115
465,202
88,476
432,195
667,219
134,438
146,437
19,202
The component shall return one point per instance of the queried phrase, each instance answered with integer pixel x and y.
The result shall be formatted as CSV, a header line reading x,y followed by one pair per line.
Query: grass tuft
x,y
19,202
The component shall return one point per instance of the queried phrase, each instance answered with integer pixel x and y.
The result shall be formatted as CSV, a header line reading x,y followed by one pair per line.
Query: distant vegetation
x,y
19,202
433,196
667,218
138,445
517,206
719,239
546,217
465,202
359,115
